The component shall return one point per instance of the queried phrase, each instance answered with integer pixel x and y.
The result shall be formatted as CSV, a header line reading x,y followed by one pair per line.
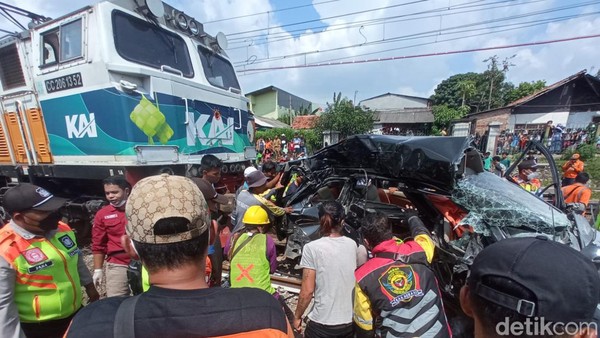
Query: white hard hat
x,y
248,171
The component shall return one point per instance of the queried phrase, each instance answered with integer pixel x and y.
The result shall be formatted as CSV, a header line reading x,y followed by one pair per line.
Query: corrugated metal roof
x,y
546,89
423,115
269,123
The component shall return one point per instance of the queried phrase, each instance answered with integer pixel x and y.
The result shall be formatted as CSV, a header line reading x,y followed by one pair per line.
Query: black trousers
x,y
316,330
48,329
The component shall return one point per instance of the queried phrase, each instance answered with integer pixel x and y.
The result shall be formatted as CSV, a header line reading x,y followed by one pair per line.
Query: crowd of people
x,y
280,149
170,224
556,138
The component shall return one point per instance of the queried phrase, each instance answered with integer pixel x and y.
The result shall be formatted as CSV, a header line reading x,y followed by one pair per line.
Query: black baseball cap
x,y
564,283
26,196
527,164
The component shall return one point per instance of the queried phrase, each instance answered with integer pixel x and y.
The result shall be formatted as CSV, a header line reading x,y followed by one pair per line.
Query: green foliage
x,y
586,151
524,89
448,92
482,91
284,118
443,115
312,139
343,116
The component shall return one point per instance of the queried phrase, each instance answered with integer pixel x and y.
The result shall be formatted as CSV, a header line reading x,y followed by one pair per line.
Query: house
x,y
263,123
272,102
400,114
573,102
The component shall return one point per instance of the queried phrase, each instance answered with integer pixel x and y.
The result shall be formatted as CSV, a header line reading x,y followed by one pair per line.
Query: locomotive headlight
x,y
182,21
194,28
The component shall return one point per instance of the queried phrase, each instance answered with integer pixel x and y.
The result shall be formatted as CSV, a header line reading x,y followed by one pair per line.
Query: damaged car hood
x,y
432,160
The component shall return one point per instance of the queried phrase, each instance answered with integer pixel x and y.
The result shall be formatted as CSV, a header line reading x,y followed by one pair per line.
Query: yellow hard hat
x,y
256,215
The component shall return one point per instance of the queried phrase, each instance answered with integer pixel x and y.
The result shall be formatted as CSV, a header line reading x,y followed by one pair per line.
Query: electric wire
x,y
466,36
331,17
415,56
268,12
384,20
445,31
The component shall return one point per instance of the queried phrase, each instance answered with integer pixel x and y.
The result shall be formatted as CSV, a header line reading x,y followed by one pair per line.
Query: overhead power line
x,y
276,36
415,56
268,12
330,17
429,33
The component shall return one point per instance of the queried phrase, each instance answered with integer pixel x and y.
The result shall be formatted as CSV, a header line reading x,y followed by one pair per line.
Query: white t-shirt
x,y
334,260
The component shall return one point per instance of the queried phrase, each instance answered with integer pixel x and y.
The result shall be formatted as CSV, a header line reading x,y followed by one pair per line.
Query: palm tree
x,y
466,88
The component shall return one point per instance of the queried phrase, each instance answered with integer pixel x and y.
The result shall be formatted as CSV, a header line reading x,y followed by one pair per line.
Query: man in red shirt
x,y
109,226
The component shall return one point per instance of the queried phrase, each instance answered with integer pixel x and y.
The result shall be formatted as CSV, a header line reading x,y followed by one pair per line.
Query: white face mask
x,y
533,175
119,204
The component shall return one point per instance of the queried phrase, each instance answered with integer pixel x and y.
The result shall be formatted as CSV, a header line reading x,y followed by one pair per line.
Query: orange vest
x,y
47,285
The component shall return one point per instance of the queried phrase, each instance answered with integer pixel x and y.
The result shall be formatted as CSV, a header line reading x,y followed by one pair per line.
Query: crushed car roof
x,y
431,159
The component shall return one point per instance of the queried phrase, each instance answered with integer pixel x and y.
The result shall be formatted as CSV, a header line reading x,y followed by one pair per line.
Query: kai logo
x,y
81,125
219,133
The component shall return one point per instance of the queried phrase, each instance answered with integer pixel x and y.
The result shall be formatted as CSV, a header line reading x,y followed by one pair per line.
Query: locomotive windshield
x,y
146,43
218,70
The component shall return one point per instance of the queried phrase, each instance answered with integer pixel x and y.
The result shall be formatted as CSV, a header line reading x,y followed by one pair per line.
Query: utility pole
x,y
290,109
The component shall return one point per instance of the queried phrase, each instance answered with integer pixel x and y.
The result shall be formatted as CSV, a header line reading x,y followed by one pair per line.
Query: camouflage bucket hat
x,y
157,197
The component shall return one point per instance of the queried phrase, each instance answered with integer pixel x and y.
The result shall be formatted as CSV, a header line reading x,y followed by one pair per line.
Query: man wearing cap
x,y
253,254
257,185
570,169
41,270
578,192
528,176
520,284
167,229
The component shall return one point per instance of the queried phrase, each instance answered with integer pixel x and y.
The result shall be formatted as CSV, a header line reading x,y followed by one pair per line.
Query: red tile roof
x,y
305,122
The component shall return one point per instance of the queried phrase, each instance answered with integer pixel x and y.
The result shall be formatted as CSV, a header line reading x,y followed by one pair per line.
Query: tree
x,y
448,92
341,115
524,89
443,115
466,88
311,137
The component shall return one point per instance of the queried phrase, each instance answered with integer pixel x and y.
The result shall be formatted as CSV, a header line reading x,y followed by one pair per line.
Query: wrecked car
x,y
464,207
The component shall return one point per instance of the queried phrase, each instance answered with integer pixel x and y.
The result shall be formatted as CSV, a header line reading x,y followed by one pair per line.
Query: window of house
x,y
11,72
63,44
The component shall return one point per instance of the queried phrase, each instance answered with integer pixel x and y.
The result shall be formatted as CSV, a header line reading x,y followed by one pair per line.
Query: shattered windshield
x,y
493,202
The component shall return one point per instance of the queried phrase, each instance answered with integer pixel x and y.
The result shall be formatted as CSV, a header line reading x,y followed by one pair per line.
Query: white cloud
x,y
408,76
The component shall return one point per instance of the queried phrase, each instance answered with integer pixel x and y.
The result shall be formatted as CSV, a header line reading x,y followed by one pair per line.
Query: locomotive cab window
x,y
62,44
148,44
218,71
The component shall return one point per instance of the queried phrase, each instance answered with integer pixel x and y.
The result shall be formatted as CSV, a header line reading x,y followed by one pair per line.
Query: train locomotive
x,y
130,87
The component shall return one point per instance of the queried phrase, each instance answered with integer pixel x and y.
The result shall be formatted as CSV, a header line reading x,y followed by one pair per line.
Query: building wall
x,y
540,118
265,104
394,102
581,119
500,116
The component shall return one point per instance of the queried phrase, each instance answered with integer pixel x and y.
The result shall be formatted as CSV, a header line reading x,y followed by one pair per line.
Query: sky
x,y
266,35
